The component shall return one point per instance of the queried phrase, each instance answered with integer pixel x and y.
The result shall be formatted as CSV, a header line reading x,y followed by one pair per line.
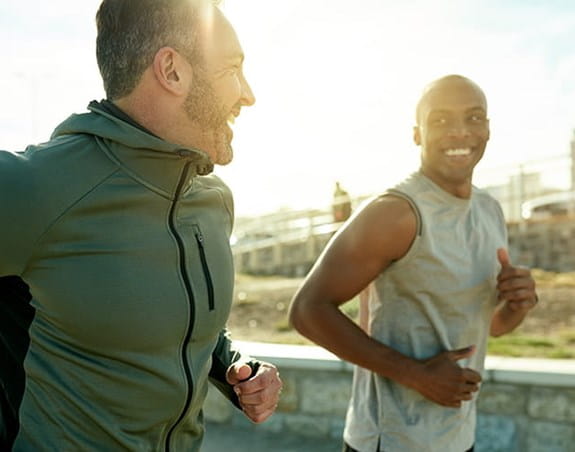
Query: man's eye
x,y
477,118
439,121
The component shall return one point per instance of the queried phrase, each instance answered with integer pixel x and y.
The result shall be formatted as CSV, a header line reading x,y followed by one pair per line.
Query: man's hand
x,y
258,395
444,382
515,284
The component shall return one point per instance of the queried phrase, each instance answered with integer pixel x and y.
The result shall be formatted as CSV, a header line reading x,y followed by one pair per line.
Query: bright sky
x,y
336,83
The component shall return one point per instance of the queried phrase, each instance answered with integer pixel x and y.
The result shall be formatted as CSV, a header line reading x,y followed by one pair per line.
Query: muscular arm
x,y
366,246
380,233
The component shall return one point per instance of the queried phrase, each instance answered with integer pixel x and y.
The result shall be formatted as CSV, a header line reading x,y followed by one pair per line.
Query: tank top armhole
x,y
418,227
399,194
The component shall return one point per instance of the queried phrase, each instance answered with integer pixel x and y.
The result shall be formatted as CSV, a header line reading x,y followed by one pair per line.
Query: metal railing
x,y
288,242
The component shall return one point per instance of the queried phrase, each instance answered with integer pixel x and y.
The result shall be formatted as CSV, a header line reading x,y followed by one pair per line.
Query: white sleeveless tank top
x,y
440,296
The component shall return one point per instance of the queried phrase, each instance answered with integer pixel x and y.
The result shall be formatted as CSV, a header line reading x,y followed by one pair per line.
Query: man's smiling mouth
x,y
458,152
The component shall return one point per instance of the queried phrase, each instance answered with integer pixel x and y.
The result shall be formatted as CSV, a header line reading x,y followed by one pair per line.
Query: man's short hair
x,y
130,32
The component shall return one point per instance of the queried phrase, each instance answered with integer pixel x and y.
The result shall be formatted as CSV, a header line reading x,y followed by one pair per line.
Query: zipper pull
x,y
199,237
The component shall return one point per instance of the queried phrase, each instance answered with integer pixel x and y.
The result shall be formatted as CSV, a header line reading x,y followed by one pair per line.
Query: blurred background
x,y
336,84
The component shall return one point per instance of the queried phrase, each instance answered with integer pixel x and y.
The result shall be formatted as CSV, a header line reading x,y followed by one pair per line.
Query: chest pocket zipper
x,y
200,241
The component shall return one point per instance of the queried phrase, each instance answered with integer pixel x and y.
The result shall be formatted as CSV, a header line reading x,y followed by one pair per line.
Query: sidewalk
x,y
221,438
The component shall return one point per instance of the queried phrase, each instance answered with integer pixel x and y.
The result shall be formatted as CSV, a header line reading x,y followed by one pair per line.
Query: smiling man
x,y
429,260
119,235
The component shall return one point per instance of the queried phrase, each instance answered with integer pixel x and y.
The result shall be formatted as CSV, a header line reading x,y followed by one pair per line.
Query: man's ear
x,y
416,135
172,71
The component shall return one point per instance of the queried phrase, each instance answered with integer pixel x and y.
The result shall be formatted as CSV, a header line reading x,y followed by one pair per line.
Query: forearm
x,y
327,326
505,319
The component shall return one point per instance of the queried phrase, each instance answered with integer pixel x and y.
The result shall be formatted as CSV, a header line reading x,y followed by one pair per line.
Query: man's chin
x,y
225,154
217,145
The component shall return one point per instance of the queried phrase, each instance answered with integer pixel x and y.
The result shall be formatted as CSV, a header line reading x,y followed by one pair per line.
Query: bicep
x,y
381,233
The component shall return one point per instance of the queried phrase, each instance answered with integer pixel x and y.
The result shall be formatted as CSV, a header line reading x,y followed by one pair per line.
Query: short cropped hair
x,y
130,32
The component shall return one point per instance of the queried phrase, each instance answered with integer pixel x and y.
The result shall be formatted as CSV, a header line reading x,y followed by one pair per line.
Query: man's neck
x,y
460,189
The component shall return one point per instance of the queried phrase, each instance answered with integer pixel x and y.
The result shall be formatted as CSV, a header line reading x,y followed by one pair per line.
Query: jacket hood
x,y
100,123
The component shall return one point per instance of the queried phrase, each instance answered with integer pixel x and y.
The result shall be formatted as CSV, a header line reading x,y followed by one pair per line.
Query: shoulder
x,y
385,225
15,175
10,162
487,201
390,211
21,225
51,176
483,195
489,209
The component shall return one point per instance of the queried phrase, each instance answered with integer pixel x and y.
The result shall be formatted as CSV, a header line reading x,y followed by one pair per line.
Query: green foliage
x,y
561,346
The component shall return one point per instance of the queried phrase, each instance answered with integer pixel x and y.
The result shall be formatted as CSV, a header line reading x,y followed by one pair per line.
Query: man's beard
x,y
203,108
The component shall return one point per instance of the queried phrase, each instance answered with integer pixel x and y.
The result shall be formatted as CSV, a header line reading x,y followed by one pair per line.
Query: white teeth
x,y
452,152
231,119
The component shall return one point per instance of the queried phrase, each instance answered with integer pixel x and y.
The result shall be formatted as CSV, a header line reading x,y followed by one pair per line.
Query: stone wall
x,y
524,406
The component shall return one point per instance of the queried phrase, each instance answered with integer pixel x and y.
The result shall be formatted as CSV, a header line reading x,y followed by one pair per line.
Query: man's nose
x,y
248,97
458,128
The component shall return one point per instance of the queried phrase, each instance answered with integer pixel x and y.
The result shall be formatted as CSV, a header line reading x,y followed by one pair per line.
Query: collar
x,y
154,162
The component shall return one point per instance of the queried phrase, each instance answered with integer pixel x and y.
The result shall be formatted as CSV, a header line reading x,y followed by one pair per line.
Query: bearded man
x,y
117,235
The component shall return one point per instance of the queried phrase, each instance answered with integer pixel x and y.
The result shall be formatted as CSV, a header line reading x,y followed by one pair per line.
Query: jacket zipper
x,y
190,296
207,275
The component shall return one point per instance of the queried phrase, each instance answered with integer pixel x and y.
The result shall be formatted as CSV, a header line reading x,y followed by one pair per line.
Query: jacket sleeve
x,y
17,226
223,356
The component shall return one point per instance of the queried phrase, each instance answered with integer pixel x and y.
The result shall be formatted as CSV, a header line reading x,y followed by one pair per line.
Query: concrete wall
x,y
525,405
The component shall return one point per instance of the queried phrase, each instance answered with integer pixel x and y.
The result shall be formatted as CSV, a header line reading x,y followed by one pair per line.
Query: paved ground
x,y
238,439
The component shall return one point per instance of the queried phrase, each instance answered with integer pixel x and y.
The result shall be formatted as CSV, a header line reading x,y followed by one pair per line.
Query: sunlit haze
x,y
336,84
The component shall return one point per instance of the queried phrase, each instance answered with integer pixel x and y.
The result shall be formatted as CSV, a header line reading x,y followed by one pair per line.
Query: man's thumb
x,y
503,257
462,353
238,372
